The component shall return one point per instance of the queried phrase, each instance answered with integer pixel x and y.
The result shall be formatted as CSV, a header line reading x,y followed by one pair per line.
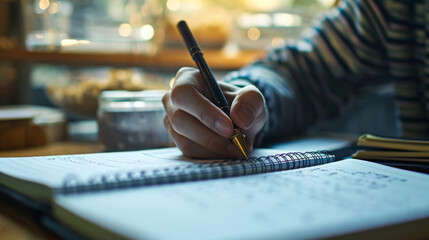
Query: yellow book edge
x,y
369,140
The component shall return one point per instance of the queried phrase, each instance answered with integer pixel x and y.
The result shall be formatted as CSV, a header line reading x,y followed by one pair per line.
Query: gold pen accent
x,y
238,139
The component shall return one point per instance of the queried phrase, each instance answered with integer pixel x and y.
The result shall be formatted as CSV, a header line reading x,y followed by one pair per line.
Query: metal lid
x,y
119,100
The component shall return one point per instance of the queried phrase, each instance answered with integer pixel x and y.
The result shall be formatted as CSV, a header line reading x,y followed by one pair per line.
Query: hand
x,y
199,128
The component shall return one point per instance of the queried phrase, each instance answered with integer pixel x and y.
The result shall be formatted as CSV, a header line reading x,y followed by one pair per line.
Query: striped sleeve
x,y
315,77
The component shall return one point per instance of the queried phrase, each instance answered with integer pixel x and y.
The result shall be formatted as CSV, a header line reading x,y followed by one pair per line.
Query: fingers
x,y
189,75
223,149
199,128
192,136
248,111
187,95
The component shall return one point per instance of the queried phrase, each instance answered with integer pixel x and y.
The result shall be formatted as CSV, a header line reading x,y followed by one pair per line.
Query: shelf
x,y
171,59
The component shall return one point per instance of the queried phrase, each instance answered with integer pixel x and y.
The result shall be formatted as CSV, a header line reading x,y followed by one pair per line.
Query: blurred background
x,y
63,54
55,50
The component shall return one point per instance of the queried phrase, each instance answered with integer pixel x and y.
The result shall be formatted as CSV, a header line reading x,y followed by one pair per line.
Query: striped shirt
x,y
358,44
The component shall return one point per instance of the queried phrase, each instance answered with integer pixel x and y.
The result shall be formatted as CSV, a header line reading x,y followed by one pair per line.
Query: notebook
x,y
43,177
368,140
405,153
158,194
335,199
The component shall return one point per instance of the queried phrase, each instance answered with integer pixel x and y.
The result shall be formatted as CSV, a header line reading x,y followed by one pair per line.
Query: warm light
x,y
84,42
255,20
147,32
130,7
136,79
72,42
286,20
68,42
277,41
231,50
172,82
173,5
245,20
262,20
39,36
193,6
125,30
136,19
55,7
43,4
253,34
263,5
326,3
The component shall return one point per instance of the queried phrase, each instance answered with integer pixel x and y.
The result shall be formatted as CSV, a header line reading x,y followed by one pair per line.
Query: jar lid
x,y
120,100
121,95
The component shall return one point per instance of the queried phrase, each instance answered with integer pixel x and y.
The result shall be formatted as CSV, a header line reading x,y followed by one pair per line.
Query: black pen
x,y
219,99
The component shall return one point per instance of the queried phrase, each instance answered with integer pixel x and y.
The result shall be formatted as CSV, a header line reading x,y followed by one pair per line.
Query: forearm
x,y
290,110
316,77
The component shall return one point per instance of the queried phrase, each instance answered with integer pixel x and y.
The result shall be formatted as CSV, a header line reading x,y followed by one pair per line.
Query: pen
x,y
219,99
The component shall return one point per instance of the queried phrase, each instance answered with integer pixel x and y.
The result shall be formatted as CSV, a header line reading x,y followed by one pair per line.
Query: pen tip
x,y
238,140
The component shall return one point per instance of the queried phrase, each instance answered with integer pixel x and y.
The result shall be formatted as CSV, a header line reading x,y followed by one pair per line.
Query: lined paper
x,y
54,170
315,202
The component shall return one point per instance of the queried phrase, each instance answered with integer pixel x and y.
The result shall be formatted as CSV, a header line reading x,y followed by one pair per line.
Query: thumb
x,y
248,107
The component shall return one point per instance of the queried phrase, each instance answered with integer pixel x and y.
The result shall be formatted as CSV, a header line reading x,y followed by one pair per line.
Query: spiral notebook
x,y
159,194
42,178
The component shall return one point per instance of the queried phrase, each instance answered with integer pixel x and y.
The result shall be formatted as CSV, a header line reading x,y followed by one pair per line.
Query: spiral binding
x,y
196,171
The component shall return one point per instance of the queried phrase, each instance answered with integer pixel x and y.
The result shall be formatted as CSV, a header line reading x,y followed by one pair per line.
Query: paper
x,y
55,171
314,202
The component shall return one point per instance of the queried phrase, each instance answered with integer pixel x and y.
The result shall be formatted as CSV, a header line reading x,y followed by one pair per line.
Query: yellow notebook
x,y
392,149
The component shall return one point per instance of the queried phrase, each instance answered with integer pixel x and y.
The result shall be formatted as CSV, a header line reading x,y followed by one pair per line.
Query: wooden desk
x,y
166,59
58,148
16,226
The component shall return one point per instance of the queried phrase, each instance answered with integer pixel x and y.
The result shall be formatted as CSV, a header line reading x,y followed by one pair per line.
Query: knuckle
x,y
256,96
177,119
204,115
179,92
180,72
165,98
207,117
166,122
183,70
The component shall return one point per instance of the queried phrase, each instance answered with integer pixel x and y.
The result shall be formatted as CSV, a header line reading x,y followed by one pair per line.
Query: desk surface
x,y
16,226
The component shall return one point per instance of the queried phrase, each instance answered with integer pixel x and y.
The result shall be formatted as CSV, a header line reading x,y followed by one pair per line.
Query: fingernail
x,y
246,115
221,126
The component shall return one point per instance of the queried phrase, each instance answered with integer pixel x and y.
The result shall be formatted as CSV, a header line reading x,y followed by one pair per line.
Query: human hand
x,y
199,128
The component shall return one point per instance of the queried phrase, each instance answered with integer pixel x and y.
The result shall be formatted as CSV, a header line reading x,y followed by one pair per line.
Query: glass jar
x,y
131,120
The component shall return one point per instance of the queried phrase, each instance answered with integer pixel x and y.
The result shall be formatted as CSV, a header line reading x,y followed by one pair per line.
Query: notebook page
x,y
315,202
53,170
